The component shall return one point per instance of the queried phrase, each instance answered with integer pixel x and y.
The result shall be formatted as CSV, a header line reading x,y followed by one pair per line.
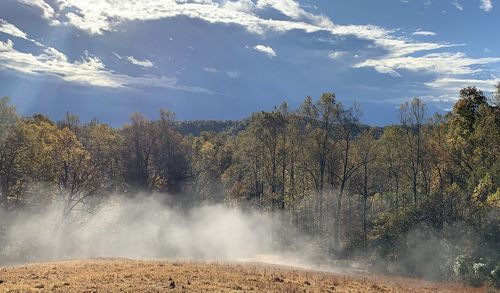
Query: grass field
x,y
120,275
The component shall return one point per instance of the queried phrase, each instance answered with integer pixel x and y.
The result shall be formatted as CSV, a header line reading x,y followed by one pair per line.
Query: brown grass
x,y
118,275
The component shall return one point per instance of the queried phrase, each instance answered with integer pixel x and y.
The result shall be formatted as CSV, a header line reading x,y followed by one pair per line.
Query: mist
x,y
147,227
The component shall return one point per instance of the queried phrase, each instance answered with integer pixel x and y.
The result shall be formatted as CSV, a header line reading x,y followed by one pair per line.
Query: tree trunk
x,y
336,231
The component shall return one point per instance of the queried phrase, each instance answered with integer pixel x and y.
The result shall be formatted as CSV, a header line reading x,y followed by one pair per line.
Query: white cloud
x,y
440,63
292,9
48,12
448,82
12,30
6,46
451,86
58,57
336,55
486,5
99,16
266,50
457,5
233,74
143,63
239,5
210,69
424,33
88,71
287,7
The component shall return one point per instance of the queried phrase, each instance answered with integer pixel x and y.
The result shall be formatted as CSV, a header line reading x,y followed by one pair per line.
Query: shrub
x,y
494,277
476,273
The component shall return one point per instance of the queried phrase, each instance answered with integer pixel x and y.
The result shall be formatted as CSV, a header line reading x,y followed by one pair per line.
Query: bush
x,y
461,268
476,273
479,274
494,277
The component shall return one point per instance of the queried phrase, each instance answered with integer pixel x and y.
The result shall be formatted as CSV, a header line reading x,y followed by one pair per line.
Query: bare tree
x,y
348,125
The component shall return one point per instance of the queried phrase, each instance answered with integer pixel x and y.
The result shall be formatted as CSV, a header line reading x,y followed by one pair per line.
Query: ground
x,y
121,275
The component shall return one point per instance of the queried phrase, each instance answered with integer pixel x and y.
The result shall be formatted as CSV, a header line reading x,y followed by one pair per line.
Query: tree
x,y
244,178
392,159
104,146
496,96
367,182
210,159
320,119
60,160
474,141
412,117
347,127
8,118
140,138
441,167
170,155
11,144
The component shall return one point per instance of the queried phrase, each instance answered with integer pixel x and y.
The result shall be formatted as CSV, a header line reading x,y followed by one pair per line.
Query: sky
x,y
225,59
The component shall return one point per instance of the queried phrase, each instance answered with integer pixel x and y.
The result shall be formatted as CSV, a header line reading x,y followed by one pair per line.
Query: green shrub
x,y
494,277
476,273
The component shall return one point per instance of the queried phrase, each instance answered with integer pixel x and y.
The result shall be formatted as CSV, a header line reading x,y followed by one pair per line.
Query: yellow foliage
x,y
494,199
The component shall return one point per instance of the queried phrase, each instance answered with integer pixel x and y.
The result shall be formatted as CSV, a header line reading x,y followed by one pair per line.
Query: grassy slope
x,y
117,275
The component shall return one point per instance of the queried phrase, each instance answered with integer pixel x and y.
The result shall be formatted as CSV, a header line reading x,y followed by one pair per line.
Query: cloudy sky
x,y
224,59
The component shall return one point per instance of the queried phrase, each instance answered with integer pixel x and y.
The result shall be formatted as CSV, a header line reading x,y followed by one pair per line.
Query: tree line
x,y
377,193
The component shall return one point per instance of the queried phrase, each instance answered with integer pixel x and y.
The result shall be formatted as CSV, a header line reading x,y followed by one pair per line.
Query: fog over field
x,y
150,226
146,226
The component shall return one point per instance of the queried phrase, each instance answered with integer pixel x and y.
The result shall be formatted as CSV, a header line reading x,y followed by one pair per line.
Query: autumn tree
x,y
170,155
320,119
412,118
11,144
212,155
347,127
63,164
391,158
104,146
368,181
139,138
474,147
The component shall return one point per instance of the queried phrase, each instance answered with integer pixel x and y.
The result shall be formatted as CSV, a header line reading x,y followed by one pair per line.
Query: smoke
x,y
145,227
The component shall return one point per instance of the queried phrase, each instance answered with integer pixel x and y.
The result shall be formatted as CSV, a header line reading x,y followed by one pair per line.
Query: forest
x,y
420,198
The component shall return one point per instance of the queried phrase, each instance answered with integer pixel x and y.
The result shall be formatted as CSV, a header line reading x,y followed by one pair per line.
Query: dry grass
x,y
118,275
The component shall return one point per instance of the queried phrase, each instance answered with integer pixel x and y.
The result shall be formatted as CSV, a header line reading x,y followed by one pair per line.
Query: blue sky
x,y
218,59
